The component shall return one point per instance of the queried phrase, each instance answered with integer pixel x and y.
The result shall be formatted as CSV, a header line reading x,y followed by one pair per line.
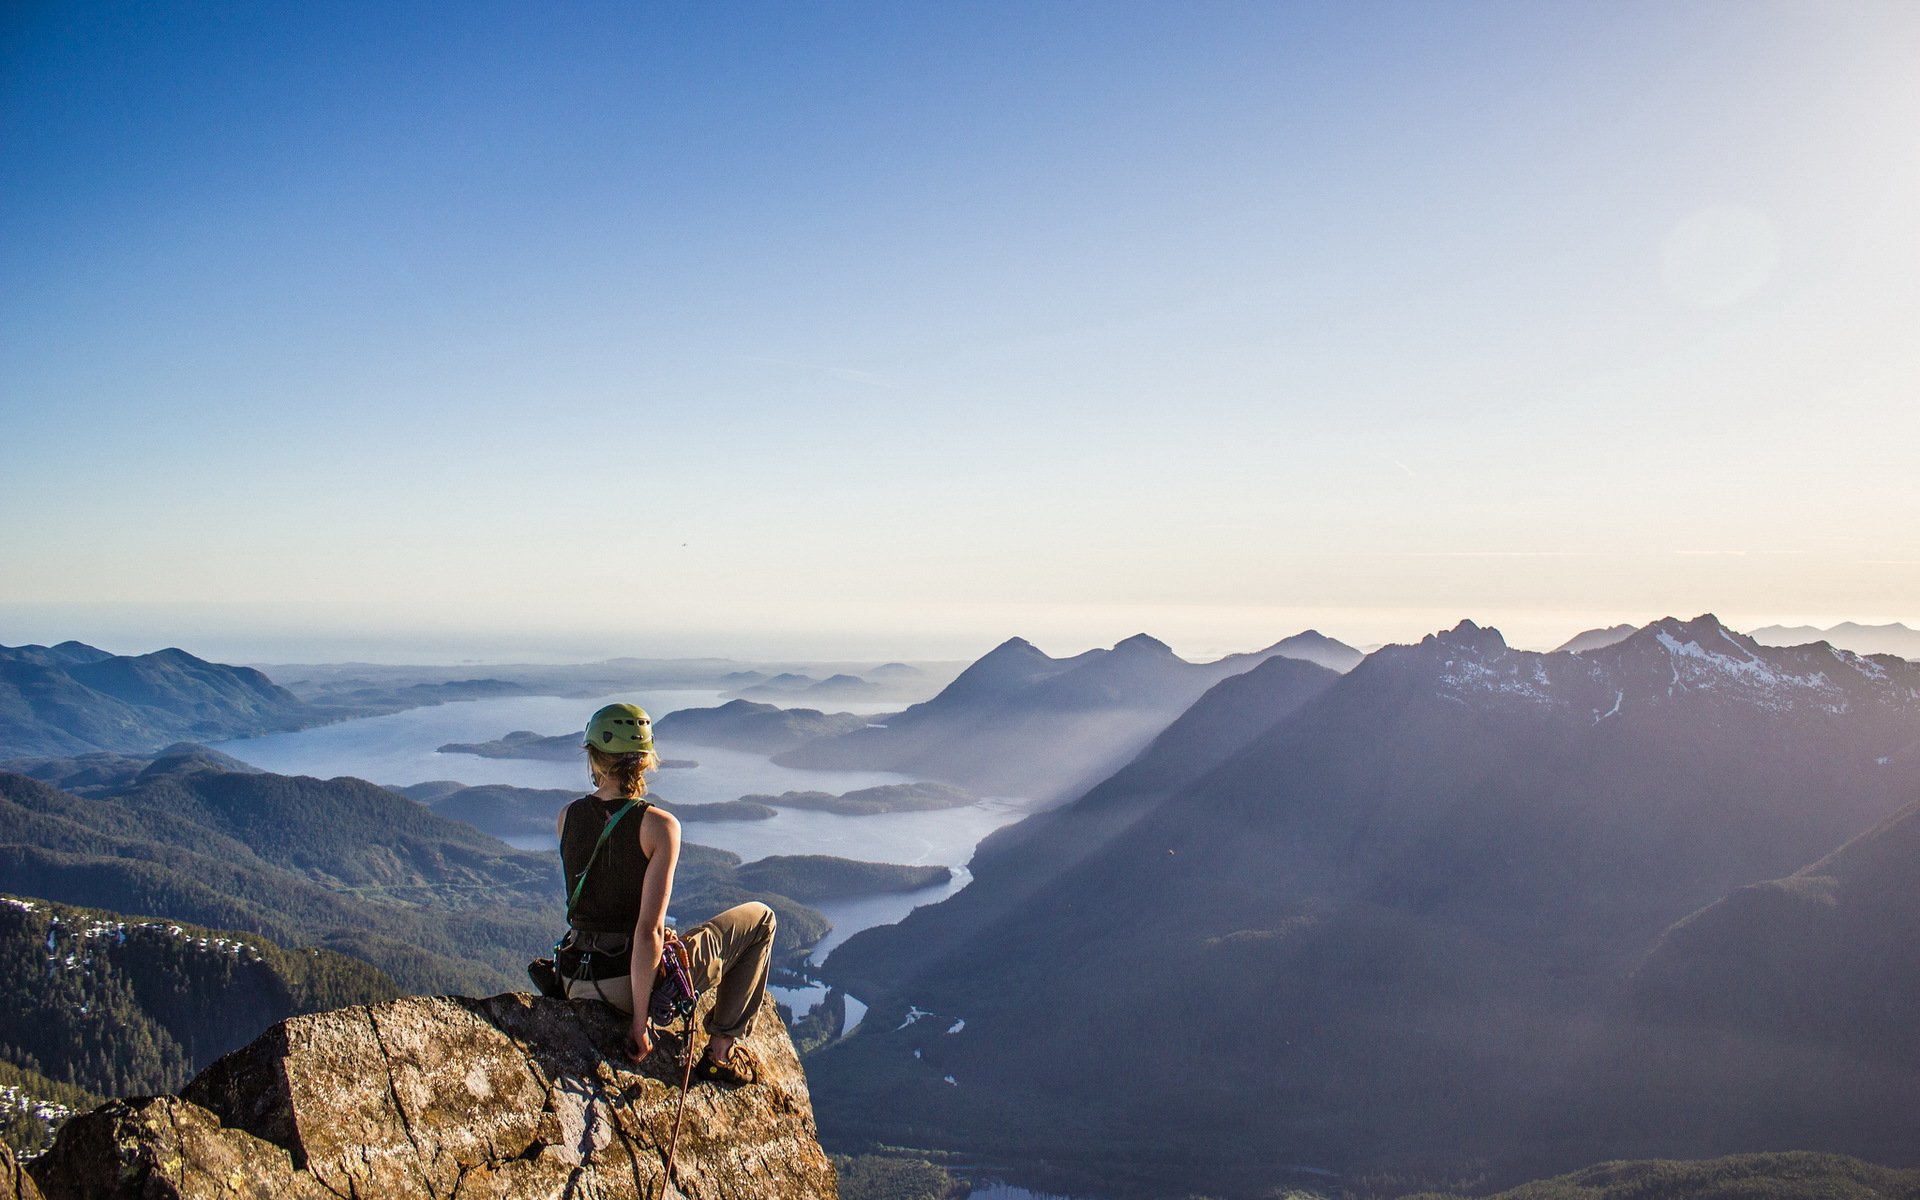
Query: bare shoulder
x,y
659,827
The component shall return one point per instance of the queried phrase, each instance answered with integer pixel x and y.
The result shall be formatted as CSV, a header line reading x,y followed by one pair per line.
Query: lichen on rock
x,y
511,1097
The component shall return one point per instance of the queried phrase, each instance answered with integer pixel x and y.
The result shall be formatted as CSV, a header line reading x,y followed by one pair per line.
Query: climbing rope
x,y
680,1107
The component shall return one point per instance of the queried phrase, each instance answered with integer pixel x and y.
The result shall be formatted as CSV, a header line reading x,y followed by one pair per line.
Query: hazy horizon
x,y
895,330
278,635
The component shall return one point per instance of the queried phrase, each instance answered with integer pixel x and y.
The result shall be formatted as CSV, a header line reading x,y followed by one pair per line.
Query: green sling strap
x,y
606,831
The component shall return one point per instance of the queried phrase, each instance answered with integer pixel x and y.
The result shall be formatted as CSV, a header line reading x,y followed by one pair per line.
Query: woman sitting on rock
x,y
617,919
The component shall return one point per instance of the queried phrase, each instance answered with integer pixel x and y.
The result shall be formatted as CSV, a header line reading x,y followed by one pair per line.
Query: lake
x,y
401,748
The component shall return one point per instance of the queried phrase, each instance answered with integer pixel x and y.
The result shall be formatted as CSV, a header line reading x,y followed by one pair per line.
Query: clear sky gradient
x,y
894,330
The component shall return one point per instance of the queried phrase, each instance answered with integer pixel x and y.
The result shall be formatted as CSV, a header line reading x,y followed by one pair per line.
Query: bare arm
x,y
660,842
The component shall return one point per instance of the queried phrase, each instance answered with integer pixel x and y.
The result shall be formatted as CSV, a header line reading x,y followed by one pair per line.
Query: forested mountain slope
x,y
73,698
336,863
119,1004
1813,978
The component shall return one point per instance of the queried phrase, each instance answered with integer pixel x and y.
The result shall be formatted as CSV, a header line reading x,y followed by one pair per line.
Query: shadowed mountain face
x,y
1813,978
1400,912
1828,956
1018,722
72,698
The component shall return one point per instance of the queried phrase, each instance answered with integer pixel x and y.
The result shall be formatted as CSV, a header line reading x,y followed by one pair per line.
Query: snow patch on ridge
x,y
1696,666
1506,676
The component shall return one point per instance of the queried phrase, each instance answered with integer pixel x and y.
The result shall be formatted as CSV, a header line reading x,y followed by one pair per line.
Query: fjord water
x,y
401,748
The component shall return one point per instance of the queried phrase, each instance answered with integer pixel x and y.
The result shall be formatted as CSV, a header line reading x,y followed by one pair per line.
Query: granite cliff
x,y
510,1097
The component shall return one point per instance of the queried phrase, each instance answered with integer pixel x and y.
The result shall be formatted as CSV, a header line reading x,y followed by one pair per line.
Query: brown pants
x,y
730,952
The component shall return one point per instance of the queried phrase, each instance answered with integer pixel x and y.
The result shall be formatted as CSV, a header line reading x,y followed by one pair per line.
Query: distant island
x,y
862,802
724,810
757,728
524,743
813,877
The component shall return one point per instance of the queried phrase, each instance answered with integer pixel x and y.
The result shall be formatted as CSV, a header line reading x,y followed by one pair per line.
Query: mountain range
x,y
1388,921
1020,722
73,698
1893,638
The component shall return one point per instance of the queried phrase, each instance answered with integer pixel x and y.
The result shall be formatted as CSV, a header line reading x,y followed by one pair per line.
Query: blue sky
x,y
897,329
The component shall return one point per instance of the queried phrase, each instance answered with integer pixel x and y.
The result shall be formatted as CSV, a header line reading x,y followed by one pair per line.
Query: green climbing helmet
x,y
621,729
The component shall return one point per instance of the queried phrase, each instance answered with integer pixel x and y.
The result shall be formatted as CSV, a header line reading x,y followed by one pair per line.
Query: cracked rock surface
x,y
511,1097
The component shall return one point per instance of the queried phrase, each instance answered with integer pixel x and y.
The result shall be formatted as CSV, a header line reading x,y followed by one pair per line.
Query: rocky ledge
x,y
15,1184
513,1097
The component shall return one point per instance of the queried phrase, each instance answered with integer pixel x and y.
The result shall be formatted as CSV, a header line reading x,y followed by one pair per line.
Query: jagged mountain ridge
x,y
1019,722
1454,828
1668,657
73,698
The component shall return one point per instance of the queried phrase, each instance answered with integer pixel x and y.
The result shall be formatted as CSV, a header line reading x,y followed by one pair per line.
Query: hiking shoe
x,y
737,1071
546,979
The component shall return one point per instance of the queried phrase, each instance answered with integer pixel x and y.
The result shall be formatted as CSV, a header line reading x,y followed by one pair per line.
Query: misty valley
x,y
1436,919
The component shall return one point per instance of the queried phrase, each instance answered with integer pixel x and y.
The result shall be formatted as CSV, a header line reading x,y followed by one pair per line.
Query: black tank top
x,y
610,903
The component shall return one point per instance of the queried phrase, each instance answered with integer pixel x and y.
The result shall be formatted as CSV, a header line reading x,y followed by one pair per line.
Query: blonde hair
x,y
627,772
